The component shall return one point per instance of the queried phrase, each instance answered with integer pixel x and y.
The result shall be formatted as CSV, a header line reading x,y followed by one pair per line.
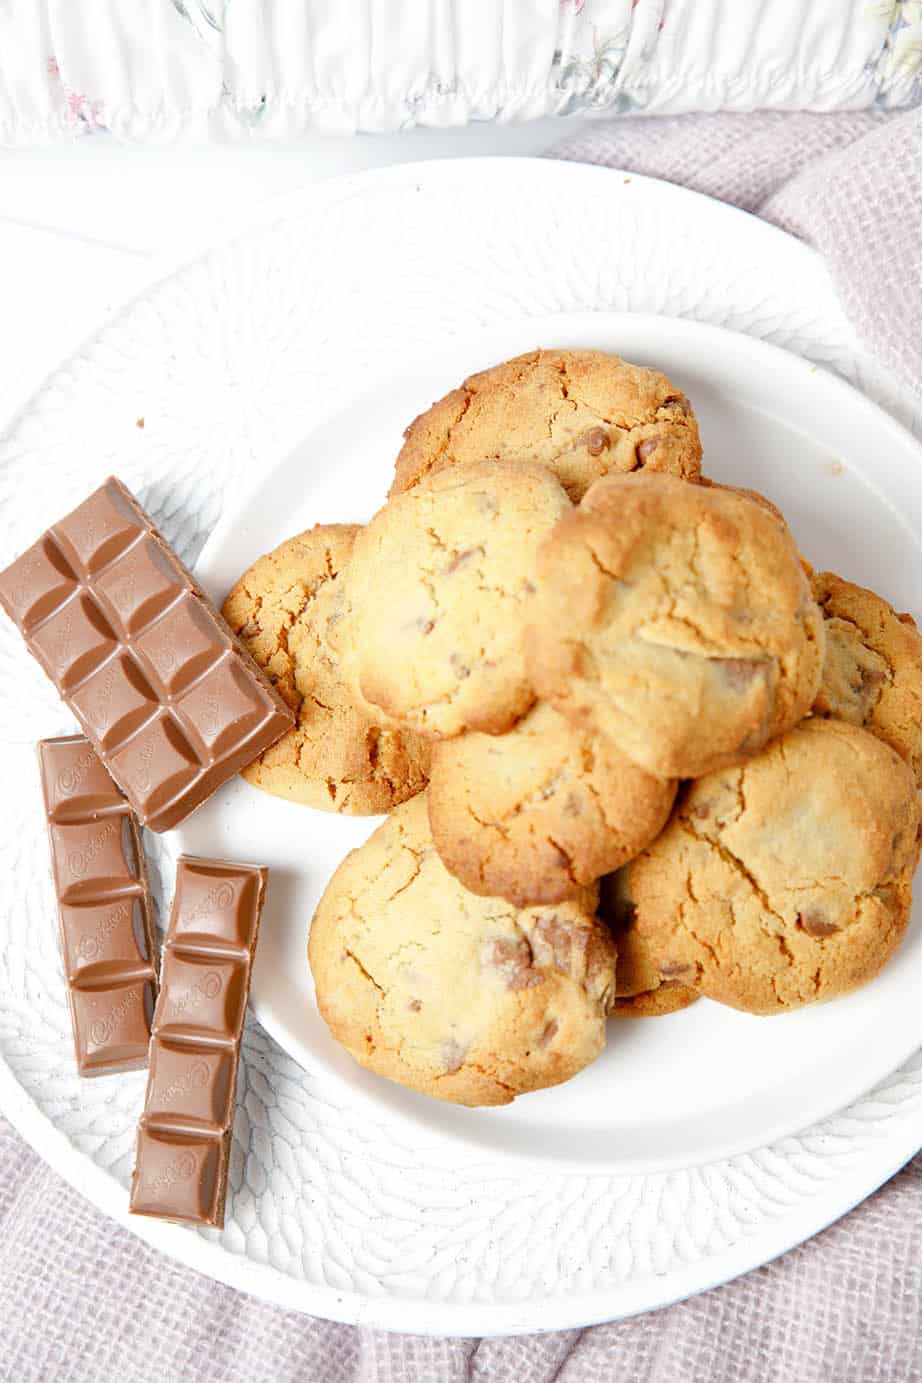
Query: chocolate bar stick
x,y
184,1133
170,698
103,907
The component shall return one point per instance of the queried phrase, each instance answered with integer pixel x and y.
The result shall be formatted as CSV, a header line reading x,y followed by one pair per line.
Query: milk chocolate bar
x,y
171,700
103,908
184,1133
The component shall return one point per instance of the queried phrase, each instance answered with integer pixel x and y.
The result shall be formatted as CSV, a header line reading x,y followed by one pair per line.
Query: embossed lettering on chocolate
x,y
171,700
103,907
184,1133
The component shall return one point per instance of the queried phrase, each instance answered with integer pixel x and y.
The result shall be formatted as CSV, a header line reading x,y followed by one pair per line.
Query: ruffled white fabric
x,y
231,69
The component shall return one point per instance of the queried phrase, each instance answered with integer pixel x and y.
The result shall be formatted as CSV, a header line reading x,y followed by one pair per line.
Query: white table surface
x,y
86,227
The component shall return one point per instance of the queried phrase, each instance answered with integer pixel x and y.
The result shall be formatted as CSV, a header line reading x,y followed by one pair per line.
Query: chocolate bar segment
x,y
184,1134
103,907
181,1177
168,695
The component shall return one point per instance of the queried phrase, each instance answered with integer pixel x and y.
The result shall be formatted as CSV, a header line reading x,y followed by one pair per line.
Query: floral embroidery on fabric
x,y
900,59
277,69
589,60
80,114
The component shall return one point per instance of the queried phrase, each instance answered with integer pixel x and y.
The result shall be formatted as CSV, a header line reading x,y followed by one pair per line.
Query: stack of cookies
x,y
633,750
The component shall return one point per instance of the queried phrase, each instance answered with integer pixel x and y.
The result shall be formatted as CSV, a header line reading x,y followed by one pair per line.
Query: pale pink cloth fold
x,y
849,184
80,1299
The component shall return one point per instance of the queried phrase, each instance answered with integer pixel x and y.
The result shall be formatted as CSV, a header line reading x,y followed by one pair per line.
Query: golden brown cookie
x,y
788,879
463,998
438,582
641,988
582,413
668,997
675,619
335,758
537,813
872,674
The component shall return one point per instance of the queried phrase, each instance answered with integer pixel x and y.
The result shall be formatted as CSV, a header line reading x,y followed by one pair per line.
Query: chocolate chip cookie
x,y
676,620
872,673
788,879
641,988
336,758
582,413
537,813
438,582
464,998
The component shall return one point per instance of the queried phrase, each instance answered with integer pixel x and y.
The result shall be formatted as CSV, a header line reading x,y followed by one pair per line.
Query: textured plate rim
x,y
389,1313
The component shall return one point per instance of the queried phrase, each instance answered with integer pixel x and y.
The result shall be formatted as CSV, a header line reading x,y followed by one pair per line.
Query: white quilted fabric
x,y
258,69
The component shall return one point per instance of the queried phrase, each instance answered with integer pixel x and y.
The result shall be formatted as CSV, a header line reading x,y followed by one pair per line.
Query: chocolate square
x,y
225,707
112,1026
179,1177
190,1088
140,586
156,765
73,641
36,584
100,528
181,645
75,785
214,907
201,996
93,861
103,939
115,701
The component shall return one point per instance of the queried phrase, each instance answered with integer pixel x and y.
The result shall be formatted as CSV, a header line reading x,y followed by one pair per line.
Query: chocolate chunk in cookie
x,y
644,988
786,880
464,998
872,673
675,619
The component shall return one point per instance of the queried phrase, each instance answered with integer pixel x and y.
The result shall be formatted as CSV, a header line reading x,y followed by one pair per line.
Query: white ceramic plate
x,y
270,355
708,1082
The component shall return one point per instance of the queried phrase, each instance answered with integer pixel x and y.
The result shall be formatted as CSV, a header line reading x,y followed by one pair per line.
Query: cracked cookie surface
x,y
335,758
675,619
582,413
641,988
872,673
464,998
788,879
534,814
438,582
